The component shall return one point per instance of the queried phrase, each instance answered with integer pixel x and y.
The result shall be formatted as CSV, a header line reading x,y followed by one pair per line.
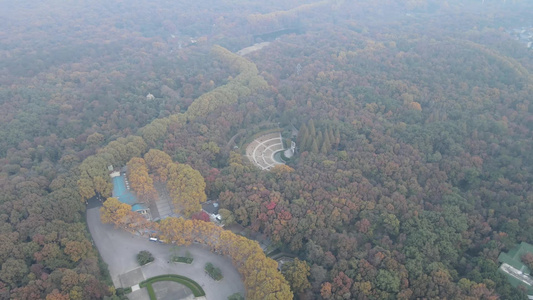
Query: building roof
x,y
513,259
210,207
138,206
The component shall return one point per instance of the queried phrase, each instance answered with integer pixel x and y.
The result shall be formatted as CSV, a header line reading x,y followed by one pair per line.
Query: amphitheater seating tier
x,y
261,150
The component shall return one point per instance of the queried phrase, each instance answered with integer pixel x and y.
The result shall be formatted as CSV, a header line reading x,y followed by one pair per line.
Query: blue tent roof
x,y
124,195
138,206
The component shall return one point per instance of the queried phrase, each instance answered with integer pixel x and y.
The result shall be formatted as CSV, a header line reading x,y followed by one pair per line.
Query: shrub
x,y
187,260
213,271
236,296
201,215
121,293
144,257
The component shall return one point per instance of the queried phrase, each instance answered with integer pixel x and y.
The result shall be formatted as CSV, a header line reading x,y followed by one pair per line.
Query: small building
x,y
517,273
150,97
282,261
211,208
142,209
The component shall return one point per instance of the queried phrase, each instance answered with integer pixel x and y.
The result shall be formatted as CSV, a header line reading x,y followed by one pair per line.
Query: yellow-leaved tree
x,y
262,279
115,212
186,187
157,162
297,272
415,106
140,181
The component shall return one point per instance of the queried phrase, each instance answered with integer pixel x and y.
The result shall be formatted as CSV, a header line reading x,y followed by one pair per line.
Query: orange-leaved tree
x,y
262,279
115,212
139,179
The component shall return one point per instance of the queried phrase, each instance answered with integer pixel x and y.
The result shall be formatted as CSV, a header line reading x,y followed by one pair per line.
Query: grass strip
x,y
181,259
191,284
151,291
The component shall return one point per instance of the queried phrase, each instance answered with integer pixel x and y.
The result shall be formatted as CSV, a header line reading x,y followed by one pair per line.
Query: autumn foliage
x,y
527,259
120,214
262,280
140,181
297,272
115,212
94,175
186,187
157,162
202,216
414,162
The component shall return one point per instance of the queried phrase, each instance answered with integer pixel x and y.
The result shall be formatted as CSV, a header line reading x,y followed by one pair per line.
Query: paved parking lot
x,y
140,294
131,278
169,290
119,249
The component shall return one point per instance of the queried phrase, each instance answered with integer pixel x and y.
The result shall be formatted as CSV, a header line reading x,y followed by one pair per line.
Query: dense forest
x,y
415,144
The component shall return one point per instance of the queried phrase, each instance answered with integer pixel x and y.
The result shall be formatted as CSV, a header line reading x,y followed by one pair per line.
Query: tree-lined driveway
x,y
119,250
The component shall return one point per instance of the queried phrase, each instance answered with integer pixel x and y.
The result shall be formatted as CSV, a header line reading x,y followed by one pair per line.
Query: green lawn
x,y
182,259
191,284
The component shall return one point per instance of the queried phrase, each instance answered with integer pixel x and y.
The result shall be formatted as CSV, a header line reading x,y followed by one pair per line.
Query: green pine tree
x,y
337,136
326,145
312,130
303,134
314,147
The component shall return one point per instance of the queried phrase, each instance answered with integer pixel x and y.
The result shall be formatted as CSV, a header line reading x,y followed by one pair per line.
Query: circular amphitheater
x,y
262,150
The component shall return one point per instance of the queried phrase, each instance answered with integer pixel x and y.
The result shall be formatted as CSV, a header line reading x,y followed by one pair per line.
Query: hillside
x,y
415,145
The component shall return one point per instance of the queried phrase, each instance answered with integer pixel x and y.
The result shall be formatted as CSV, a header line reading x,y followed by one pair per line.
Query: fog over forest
x,y
296,149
